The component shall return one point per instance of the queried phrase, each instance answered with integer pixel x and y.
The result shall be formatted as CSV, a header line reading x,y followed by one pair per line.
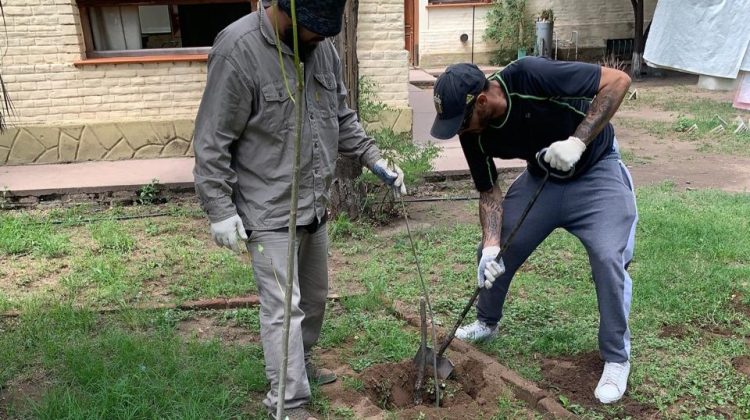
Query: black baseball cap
x,y
453,91
324,17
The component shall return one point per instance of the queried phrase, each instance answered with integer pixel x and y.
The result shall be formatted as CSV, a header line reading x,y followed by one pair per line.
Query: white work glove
x,y
489,269
391,175
563,155
226,232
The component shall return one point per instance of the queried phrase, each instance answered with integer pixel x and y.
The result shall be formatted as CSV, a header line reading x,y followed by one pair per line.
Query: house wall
x,y
66,113
440,30
594,20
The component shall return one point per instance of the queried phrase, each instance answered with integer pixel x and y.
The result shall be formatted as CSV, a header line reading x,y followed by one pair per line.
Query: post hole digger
x,y
443,365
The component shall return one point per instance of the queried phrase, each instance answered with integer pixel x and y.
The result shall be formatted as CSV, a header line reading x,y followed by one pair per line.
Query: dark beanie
x,y
324,17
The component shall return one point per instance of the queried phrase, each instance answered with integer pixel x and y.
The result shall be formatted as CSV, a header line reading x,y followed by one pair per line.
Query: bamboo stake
x,y
290,266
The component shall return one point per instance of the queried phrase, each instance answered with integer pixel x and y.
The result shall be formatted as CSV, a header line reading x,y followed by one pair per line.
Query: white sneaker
x,y
613,383
476,331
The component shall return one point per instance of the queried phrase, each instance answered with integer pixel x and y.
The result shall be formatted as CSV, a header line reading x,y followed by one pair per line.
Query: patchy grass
x,y
697,113
131,365
691,270
117,256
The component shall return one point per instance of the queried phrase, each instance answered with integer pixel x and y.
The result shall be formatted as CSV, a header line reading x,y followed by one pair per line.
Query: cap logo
x,y
438,104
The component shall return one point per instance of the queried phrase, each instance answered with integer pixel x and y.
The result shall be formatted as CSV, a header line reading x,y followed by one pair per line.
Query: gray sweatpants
x,y
308,305
599,208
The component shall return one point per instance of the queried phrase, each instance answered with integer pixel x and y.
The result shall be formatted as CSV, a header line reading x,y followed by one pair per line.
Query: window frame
x,y
93,56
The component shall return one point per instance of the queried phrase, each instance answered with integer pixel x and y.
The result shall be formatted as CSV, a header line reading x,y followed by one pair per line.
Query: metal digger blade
x,y
444,365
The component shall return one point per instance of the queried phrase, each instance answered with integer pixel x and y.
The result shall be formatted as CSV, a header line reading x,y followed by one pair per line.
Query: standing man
x,y
565,107
244,154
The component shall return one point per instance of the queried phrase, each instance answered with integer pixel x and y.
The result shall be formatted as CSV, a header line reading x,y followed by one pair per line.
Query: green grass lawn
x,y
691,272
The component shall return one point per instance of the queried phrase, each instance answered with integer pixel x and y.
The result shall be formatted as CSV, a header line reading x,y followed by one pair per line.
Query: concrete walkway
x,y
93,177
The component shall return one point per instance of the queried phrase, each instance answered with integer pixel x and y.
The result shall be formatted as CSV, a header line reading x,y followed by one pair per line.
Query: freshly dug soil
x,y
471,392
391,386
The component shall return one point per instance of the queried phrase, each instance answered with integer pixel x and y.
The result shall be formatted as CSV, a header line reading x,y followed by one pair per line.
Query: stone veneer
x,y
131,140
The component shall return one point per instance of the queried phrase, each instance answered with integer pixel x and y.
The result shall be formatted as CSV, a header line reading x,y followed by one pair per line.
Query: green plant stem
x,y
290,266
281,56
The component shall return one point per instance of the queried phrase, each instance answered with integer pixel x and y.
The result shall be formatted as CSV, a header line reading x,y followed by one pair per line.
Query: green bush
x,y
510,27
415,160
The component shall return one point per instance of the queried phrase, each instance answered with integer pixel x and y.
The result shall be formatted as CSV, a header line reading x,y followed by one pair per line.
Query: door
x,y
411,30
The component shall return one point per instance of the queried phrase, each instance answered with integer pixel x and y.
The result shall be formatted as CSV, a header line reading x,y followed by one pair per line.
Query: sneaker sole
x,y
478,340
607,401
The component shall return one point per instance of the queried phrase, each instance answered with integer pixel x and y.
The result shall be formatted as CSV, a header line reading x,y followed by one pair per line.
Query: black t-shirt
x,y
547,100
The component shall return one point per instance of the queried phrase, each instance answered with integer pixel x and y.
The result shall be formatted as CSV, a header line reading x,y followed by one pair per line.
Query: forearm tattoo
x,y
491,216
603,107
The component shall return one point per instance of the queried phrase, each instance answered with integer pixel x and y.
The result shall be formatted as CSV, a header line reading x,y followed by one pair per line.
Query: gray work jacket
x,y
245,129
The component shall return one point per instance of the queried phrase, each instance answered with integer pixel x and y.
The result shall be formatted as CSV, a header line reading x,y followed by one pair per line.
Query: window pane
x,y
118,28
200,23
155,20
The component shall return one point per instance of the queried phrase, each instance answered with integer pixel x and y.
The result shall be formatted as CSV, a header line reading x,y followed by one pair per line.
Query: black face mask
x,y
305,49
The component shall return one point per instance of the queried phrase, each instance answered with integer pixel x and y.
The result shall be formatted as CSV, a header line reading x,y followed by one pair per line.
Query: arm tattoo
x,y
603,107
491,216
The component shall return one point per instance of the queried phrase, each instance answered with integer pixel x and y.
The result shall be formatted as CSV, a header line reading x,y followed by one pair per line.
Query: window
x,y
133,28
457,2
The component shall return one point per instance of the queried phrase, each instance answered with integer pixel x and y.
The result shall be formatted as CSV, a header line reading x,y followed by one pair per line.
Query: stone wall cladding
x,y
129,140
105,141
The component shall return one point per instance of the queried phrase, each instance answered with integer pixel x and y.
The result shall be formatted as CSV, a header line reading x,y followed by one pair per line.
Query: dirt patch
x,y
340,263
27,386
425,215
208,328
738,300
577,377
673,331
742,364
669,159
653,115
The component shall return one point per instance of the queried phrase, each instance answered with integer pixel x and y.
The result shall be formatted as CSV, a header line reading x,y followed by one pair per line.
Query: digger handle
x,y
459,322
504,247
554,173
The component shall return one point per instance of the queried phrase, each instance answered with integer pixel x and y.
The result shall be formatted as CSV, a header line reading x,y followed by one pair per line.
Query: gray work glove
x,y
391,175
489,269
227,232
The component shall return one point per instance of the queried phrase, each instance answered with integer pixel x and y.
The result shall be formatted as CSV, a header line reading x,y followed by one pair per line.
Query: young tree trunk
x,y
291,257
638,44
346,195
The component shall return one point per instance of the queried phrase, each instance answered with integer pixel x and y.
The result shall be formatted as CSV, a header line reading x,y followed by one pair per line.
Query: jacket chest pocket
x,y
277,109
326,94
